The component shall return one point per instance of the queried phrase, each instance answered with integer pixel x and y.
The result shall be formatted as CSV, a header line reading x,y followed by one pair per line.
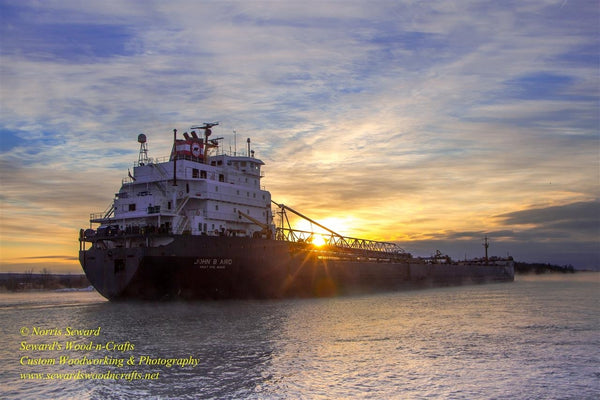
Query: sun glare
x,y
338,225
318,240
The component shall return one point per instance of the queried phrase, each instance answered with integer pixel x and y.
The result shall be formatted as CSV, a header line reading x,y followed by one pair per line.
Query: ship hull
x,y
207,267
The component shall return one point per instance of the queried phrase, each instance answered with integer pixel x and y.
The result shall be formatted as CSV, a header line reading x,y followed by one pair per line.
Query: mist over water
x,y
538,337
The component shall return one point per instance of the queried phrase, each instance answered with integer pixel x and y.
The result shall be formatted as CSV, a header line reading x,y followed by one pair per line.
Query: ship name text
x,y
213,263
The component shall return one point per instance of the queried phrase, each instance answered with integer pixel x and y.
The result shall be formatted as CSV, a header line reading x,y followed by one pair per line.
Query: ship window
x,y
203,174
221,178
169,205
195,173
254,195
217,207
132,207
187,187
243,163
238,192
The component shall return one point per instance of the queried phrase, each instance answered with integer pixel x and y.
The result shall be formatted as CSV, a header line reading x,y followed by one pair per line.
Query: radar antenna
x,y
143,157
206,127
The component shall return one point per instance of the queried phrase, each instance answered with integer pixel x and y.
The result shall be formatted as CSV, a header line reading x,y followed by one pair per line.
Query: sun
x,y
319,236
318,240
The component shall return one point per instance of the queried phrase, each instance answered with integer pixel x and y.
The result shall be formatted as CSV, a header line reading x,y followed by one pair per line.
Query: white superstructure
x,y
196,191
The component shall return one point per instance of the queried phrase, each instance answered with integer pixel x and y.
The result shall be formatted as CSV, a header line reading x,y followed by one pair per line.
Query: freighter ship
x,y
199,225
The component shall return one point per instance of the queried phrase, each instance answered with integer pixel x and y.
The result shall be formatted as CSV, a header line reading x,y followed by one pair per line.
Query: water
x,y
538,337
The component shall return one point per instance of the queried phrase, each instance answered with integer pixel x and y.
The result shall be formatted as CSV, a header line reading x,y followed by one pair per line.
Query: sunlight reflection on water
x,y
535,338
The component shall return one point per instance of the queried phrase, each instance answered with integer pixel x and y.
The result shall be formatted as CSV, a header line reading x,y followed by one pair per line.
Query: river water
x,y
535,338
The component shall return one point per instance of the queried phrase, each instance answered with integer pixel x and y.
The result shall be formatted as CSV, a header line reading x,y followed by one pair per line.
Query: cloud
x,y
421,121
569,212
562,234
578,220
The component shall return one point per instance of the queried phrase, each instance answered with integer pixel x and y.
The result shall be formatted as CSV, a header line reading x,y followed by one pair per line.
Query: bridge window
x,y
132,207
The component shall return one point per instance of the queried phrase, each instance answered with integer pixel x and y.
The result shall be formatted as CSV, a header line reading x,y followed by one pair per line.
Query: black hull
x,y
207,267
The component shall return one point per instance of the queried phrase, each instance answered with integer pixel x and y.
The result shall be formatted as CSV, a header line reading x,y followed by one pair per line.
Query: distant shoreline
x,y
522,268
23,281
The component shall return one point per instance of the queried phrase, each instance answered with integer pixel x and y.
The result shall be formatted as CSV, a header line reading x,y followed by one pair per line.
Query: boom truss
x,y
332,240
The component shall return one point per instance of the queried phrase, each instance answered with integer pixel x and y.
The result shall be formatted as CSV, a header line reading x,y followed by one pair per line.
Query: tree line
x,y
540,268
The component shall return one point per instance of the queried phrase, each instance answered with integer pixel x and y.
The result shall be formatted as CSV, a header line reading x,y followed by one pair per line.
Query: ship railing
x,y
109,212
155,160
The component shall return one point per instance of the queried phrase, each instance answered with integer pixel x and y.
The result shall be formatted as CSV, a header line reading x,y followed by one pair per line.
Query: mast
x,y
175,157
486,244
234,143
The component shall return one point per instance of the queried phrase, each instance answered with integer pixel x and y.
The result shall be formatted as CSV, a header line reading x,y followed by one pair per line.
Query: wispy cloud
x,y
420,121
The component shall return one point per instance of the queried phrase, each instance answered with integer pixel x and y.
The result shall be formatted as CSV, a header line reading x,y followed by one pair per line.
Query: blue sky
x,y
431,124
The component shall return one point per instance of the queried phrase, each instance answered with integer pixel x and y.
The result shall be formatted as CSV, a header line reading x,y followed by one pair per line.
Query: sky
x,y
431,124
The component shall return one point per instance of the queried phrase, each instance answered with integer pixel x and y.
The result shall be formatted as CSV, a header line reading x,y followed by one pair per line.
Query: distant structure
x,y
486,244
